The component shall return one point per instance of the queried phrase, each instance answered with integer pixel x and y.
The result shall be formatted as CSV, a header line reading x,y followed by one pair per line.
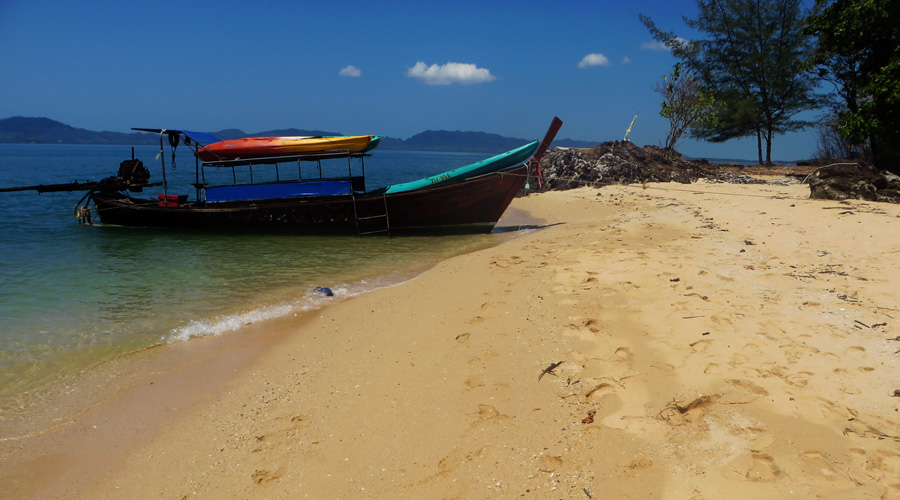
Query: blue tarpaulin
x,y
277,190
201,137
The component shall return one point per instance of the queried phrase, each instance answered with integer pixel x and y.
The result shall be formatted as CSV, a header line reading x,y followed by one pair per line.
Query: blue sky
x,y
393,68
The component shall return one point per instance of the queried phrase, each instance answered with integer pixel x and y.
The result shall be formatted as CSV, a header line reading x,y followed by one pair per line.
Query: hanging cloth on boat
x,y
173,141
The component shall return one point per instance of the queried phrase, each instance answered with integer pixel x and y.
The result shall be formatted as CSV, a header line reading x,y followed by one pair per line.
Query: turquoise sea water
x,y
73,296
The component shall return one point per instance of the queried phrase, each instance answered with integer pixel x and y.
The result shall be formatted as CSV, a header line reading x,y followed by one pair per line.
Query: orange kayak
x,y
267,147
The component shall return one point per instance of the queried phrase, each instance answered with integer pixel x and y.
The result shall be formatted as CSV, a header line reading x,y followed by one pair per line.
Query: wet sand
x,y
710,341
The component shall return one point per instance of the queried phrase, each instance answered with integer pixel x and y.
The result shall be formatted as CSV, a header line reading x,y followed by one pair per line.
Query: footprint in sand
x,y
462,338
830,356
858,458
456,458
606,292
891,491
450,462
599,391
487,413
739,359
474,382
701,345
624,353
547,463
855,351
763,469
800,379
820,464
264,476
888,462
748,386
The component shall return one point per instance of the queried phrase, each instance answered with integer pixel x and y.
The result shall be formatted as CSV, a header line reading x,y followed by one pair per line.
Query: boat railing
x,y
329,155
320,185
356,182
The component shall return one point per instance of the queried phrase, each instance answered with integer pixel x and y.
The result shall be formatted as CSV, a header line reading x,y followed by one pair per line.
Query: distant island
x,y
26,130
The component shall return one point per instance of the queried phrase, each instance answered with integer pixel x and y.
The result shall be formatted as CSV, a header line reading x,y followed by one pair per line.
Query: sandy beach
x,y
706,341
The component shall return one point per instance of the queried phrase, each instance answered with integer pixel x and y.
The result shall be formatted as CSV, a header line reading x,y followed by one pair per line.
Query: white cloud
x,y
626,60
352,71
450,73
654,46
593,60
660,45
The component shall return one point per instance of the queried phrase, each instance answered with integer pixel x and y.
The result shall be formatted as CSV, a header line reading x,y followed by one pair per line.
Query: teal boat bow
x,y
504,160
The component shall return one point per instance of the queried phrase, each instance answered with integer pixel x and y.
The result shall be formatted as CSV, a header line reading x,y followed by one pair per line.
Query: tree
x,y
752,61
857,51
685,104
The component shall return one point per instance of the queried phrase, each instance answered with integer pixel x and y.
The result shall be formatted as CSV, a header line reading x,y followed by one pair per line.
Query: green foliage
x,y
859,52
685,104
751,60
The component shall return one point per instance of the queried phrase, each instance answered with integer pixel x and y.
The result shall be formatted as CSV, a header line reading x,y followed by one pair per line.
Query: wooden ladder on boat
x,y
374,213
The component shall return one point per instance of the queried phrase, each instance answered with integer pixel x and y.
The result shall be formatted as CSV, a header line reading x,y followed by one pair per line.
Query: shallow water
x,y
73,296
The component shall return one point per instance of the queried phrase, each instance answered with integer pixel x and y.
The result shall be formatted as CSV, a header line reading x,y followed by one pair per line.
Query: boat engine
x,y
133,173
132,176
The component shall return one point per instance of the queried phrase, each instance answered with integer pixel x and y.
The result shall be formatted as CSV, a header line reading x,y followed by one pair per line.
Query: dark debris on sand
x,y
623,162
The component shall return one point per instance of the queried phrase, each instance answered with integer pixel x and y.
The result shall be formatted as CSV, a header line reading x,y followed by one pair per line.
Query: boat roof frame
x,y
283,159
326,155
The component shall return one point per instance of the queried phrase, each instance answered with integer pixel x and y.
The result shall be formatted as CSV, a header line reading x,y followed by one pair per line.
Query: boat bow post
x,y
535,163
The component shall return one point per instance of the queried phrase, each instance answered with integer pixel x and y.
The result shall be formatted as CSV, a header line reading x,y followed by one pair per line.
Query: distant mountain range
x,y
22,130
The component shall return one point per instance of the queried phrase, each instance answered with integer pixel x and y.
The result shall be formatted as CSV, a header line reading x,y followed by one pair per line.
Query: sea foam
x,y
309,301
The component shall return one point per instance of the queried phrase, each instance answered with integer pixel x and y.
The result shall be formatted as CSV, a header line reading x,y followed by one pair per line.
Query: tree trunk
x,y
759,145
885,156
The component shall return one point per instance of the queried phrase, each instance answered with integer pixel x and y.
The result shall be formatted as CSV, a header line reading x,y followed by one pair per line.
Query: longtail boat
x,y
466,199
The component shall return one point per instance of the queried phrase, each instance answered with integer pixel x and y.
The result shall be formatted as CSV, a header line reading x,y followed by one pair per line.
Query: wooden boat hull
x,y
268,147
471,205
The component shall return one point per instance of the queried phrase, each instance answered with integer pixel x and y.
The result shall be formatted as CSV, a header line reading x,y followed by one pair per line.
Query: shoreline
x,y
108,391
16,406
710,342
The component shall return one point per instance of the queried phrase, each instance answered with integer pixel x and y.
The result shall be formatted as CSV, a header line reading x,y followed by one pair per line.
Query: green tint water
x,y
74,296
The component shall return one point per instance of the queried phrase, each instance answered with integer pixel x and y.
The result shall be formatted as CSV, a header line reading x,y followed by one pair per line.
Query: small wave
x,y
226,323
310,301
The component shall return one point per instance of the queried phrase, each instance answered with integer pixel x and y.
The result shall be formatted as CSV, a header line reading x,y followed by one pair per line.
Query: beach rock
x,y
617,162
623,162
859,181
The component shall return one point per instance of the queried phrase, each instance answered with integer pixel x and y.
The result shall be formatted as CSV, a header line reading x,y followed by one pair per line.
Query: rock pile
x,y
858,181
625,163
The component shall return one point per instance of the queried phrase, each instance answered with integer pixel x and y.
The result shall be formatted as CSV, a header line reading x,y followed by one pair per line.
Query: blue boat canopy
x,y
201,137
